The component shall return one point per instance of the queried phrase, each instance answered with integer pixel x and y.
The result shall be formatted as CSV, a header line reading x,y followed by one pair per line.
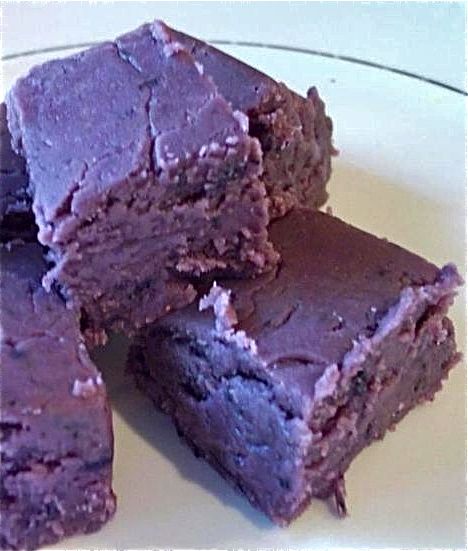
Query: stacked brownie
x,y
136,188
162,188
280,381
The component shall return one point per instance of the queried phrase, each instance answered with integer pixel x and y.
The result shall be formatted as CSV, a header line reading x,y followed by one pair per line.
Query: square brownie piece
x,y
56,442
300,369
141,176
16,217
294,131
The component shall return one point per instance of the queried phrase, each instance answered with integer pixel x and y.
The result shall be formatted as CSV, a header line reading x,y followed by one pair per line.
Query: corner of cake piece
x,y
294,131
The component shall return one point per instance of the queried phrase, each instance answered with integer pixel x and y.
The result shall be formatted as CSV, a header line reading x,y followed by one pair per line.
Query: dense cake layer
x,y
55,423
141,174
16,217
300,369
294,131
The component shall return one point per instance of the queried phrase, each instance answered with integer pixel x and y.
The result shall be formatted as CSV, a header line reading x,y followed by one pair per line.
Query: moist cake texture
x,y
56,440
141,176
295,132
300,369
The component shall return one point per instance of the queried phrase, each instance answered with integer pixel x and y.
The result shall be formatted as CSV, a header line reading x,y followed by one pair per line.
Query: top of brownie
x,y
243,86
48,379
13,175
120,110
333,286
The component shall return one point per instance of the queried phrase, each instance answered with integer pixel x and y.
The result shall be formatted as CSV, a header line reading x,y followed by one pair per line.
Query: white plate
x,y
401,174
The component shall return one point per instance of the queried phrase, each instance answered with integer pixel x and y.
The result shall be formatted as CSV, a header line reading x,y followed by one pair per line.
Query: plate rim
x,y
263,45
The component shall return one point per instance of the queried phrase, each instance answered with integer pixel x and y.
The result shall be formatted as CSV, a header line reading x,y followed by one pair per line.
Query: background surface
x,y
401,173
421,37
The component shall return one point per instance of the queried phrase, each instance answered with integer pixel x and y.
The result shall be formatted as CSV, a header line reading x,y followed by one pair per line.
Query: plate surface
x,y
400,174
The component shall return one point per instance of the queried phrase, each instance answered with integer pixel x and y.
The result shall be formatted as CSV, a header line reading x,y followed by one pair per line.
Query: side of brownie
x,y
295,132
16,217
56,441
303,367
141,177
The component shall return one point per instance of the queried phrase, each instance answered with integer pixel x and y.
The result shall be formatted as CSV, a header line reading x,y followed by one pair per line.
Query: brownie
x,y
55,425
16,218
300,369
294,131
142,176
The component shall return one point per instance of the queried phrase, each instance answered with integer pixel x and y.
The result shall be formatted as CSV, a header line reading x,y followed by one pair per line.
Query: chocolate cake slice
x,y
300,369
16,217
56,441
295,132
141,175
